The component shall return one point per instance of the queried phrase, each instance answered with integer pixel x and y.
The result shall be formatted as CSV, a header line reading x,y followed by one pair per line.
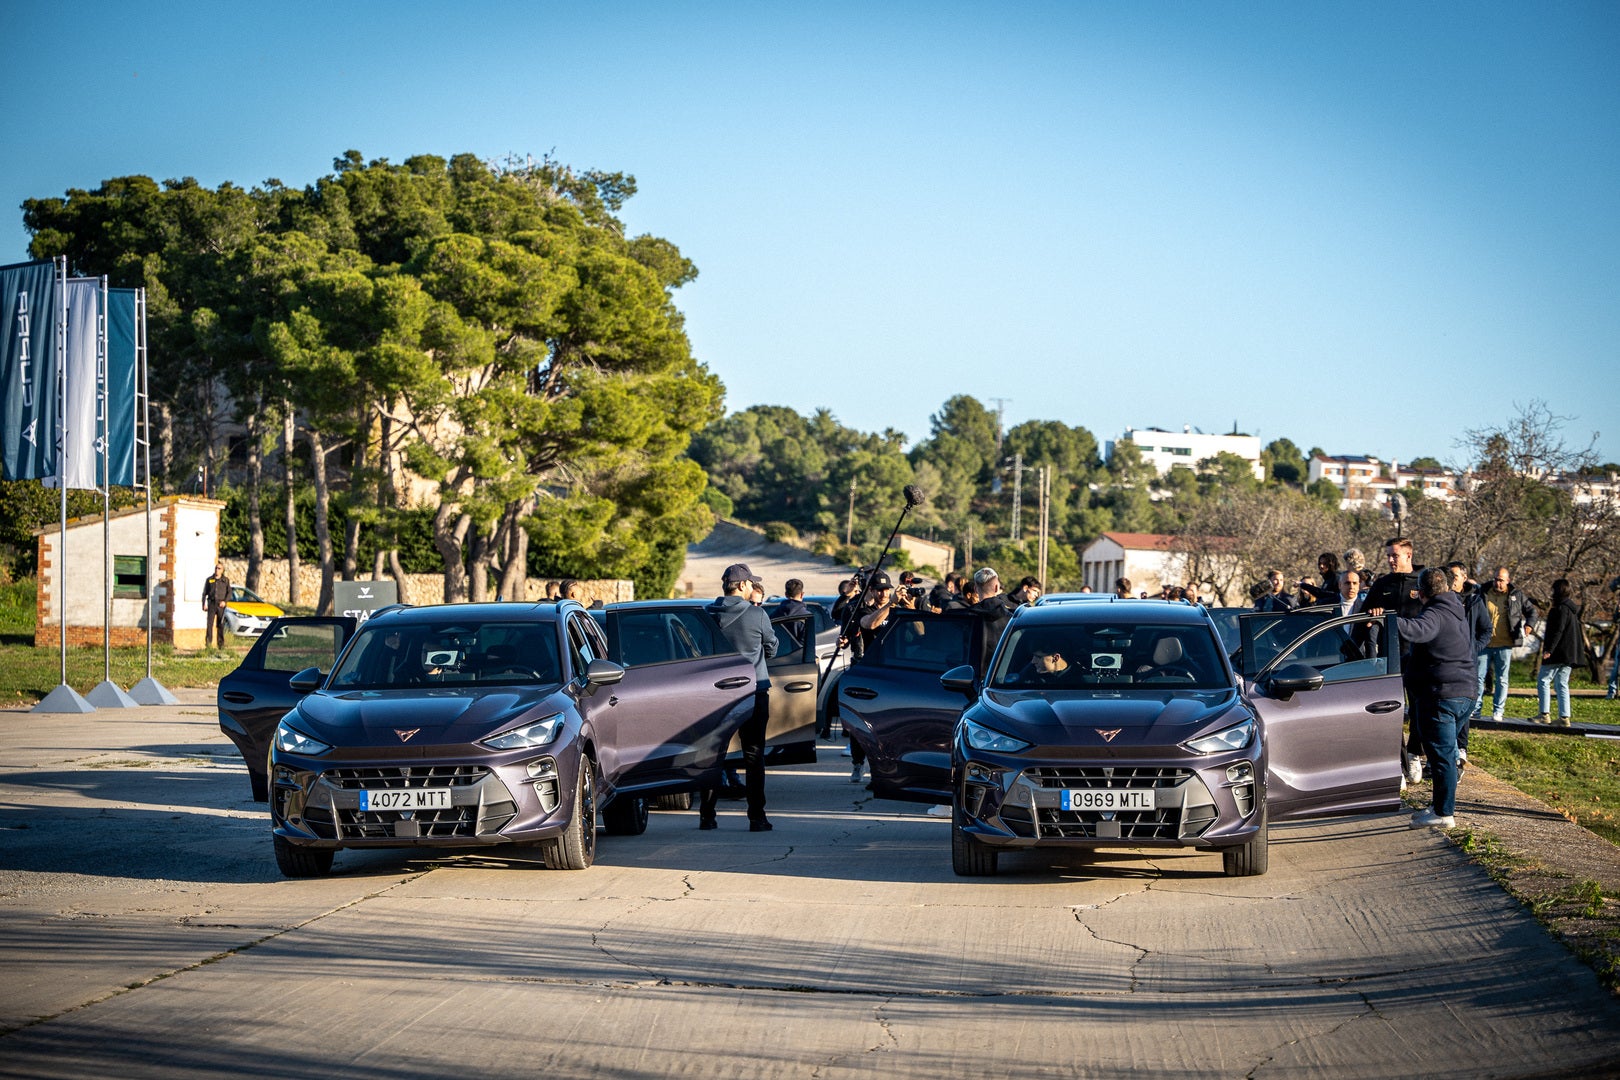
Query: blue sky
x,y
1368,227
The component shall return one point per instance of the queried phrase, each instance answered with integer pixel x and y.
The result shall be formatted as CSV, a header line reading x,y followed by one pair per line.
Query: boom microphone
x,y
914,496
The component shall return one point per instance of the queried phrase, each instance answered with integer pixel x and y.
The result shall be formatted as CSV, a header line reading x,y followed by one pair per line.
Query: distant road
x,y
774,563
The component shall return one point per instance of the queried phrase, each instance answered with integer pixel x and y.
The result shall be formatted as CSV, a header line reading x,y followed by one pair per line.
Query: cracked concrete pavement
x,y
144,931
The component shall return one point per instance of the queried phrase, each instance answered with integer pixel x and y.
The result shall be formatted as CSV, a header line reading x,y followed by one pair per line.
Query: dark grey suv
x,y
1121,723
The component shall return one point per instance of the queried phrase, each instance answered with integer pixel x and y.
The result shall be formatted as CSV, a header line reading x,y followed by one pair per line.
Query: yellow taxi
x,y
247,613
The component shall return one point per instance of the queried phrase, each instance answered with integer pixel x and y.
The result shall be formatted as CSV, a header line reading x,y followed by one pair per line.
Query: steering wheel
x,y
517,669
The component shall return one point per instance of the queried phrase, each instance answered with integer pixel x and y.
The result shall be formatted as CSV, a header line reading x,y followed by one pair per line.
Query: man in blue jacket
x,y
748,629
1442,686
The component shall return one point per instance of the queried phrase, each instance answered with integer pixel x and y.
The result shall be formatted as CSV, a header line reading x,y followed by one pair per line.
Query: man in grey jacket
x,y
748,629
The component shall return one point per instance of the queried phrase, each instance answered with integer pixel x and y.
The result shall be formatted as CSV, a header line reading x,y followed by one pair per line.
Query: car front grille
x,y
1107,776
354,778
488,815
1169,823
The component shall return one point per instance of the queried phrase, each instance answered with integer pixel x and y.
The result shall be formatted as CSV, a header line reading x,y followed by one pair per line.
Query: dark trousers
x,y
752,735
214,632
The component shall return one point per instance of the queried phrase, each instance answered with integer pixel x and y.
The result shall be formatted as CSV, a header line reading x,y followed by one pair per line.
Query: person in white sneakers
x,y
1442,686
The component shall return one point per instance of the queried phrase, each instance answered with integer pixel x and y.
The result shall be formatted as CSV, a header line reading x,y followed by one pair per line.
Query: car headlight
x,y
1235,737
290,740
983,738
538,733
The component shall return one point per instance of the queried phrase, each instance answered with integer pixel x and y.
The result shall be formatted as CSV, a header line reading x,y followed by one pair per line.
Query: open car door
x,y
790,733
684,694
1328,694
253,698
891,701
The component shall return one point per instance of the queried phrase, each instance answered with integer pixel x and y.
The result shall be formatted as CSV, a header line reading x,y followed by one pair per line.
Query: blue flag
x,y
28,370
121,378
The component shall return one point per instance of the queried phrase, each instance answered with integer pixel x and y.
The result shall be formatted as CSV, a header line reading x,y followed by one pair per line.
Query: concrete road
x,y
144,932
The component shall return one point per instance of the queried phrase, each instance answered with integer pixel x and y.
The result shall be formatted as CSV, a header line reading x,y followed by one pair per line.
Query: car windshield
x,y
245,596
1110,654
461,653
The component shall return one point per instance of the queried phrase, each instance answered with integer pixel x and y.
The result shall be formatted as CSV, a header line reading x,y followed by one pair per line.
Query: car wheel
x,y
680,801
575,849
260,783
969,858
1251,859
295,861
625,816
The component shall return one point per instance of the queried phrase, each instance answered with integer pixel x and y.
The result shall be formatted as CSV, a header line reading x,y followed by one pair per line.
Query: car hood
x,y
1142,719
249,607
441,716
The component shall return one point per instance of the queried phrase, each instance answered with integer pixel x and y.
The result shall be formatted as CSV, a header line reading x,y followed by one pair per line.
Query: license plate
x,y
1107,799
406,799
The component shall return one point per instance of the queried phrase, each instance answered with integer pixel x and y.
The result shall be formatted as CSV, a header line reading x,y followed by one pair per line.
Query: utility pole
x,y
967,556
849,525
1045,497
1018,481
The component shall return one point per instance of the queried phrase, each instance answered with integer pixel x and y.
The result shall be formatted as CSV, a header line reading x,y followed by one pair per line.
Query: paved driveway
x,y
144,932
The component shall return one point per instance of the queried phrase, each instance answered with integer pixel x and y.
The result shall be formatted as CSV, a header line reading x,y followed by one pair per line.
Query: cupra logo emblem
x,y
1108,736
405,736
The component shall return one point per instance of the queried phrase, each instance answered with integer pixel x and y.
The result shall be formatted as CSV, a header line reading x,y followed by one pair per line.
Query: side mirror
x,y
1291,679
961,679
603,673
307,680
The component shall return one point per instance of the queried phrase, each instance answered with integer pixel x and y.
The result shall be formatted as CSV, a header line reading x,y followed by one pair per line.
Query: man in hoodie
x,y
1441,686
746,626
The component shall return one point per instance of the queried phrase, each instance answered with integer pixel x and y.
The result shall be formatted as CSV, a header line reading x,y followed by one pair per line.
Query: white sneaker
x,y
1428,819
846,751
854,774
1462,755
1414,770
940,811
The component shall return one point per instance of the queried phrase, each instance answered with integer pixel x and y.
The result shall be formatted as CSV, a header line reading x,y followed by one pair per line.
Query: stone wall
x,y
415,589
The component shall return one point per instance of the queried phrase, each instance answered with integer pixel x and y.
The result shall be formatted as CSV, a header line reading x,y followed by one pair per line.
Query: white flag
x,y
81,420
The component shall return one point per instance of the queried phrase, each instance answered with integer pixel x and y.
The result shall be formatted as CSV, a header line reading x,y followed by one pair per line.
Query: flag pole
x,y
64,699
148,691
108,694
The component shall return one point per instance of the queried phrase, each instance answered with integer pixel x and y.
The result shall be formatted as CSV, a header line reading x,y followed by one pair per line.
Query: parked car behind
x,y
247,613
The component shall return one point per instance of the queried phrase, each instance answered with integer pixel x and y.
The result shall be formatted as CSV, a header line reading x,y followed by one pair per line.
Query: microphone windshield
x,y
914,495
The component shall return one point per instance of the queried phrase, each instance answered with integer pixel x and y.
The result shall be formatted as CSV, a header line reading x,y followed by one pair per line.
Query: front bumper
x,y
1010,801
316,803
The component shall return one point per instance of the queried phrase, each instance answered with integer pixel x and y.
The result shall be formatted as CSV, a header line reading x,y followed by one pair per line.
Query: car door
x,y
891,701
790,733
1335,749
253,698
684,694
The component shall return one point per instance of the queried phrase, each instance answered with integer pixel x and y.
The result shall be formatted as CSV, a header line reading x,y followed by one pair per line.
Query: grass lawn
x,y
27,674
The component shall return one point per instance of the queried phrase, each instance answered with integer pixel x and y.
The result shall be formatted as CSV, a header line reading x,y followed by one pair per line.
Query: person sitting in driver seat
x,y
1048,667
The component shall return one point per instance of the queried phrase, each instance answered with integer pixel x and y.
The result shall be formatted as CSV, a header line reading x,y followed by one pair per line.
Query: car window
x,y
450,653
1266,634
923,643
790,634
581,648
294,647
1344,651
1112,654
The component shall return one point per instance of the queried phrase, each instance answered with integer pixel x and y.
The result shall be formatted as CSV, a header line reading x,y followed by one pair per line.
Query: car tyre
x,y
575,849
969,858
625,816
295,861
679,801
1251,859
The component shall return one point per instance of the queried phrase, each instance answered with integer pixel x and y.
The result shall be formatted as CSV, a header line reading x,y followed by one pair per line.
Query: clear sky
x,y
1367,226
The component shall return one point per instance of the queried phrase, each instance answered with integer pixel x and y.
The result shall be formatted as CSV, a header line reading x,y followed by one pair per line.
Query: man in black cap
x,y
748,629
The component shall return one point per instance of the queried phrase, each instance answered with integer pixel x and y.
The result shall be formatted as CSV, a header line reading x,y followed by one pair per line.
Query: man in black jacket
x,y
1397,591
1441,685
747,628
